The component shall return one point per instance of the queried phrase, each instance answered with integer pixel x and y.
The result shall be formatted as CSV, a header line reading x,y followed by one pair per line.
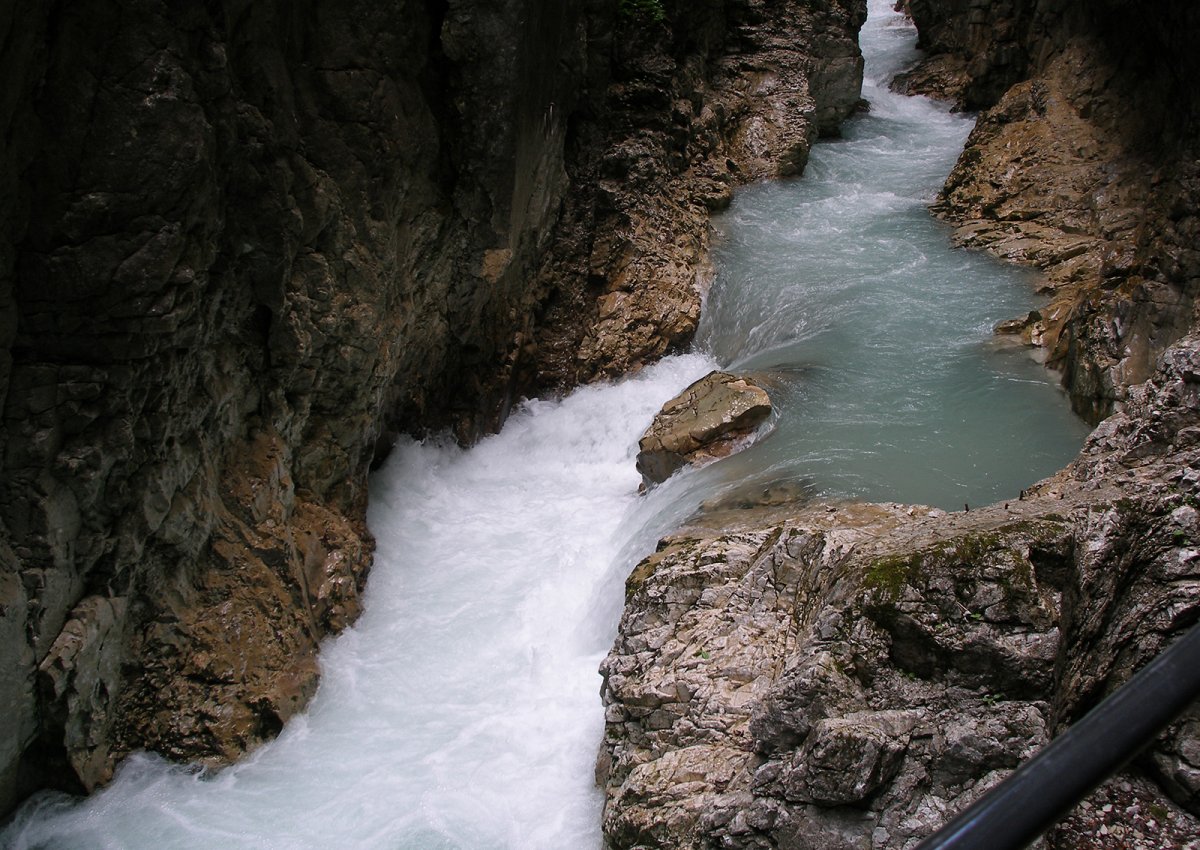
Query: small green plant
x,y
643,10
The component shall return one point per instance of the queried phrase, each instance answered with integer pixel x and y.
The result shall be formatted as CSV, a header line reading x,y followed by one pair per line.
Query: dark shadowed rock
x,y
721,93
243,244
710,419
1083,164
246,245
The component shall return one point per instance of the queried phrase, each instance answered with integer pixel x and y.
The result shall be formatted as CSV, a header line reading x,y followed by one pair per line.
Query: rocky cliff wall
x,y
1084,164
246,244
240,242
716,94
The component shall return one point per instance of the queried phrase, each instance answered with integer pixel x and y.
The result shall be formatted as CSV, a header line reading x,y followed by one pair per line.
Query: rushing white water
x,y
462,711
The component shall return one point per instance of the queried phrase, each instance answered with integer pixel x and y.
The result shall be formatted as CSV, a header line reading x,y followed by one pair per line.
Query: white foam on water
x,y
462,710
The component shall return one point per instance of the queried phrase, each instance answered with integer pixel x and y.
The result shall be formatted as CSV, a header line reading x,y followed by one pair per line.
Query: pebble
x,y
1116,817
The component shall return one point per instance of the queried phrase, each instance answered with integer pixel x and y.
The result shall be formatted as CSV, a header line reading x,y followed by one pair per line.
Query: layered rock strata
x,y
245,245
851,675
1083,164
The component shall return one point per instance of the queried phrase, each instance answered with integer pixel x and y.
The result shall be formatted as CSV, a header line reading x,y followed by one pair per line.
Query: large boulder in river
x,y
710,419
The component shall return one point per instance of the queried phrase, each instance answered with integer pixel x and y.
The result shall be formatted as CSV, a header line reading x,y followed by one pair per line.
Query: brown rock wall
x,y
246,244
851,675
719,93
1083,165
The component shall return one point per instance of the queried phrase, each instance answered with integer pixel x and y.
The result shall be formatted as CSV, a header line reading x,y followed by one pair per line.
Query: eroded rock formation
x,y
708,420
731,92
241,242
245,245
851,675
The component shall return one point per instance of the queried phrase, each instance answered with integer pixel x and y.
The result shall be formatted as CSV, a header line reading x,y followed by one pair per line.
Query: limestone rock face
x,y
706,421
852,675
1083,165
242,243
974,49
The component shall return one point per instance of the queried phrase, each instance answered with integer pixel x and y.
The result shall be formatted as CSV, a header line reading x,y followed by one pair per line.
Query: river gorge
x,y
829,639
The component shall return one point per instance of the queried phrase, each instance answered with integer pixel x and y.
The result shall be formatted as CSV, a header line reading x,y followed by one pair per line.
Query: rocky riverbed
x,y
248,245
275,237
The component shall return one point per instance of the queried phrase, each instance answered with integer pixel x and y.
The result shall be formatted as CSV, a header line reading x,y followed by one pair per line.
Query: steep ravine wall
x,y
236,235
727,93
245,245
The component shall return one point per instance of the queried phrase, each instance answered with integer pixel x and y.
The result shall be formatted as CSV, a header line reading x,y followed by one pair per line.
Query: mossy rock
x,y
887,576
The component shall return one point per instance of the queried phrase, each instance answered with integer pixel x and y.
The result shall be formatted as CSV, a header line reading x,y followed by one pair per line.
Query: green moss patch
x,y
888,575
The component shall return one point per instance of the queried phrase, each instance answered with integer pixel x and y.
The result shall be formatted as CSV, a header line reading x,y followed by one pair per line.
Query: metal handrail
x,y
1045,788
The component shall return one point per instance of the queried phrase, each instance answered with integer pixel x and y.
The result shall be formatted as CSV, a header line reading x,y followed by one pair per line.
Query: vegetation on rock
x,y
644,10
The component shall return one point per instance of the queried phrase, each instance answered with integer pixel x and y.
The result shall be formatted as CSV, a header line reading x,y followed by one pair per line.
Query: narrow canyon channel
x,y
462,710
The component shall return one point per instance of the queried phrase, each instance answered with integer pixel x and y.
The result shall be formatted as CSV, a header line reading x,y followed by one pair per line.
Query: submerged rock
x,y
711,419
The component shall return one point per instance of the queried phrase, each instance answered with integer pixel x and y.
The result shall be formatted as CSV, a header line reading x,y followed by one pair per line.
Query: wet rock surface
x,y
246,245
720,93
243,244
852,675
711,419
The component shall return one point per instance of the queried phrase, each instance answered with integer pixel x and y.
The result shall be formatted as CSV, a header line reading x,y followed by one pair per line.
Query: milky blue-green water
x,y
462,710
845,299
